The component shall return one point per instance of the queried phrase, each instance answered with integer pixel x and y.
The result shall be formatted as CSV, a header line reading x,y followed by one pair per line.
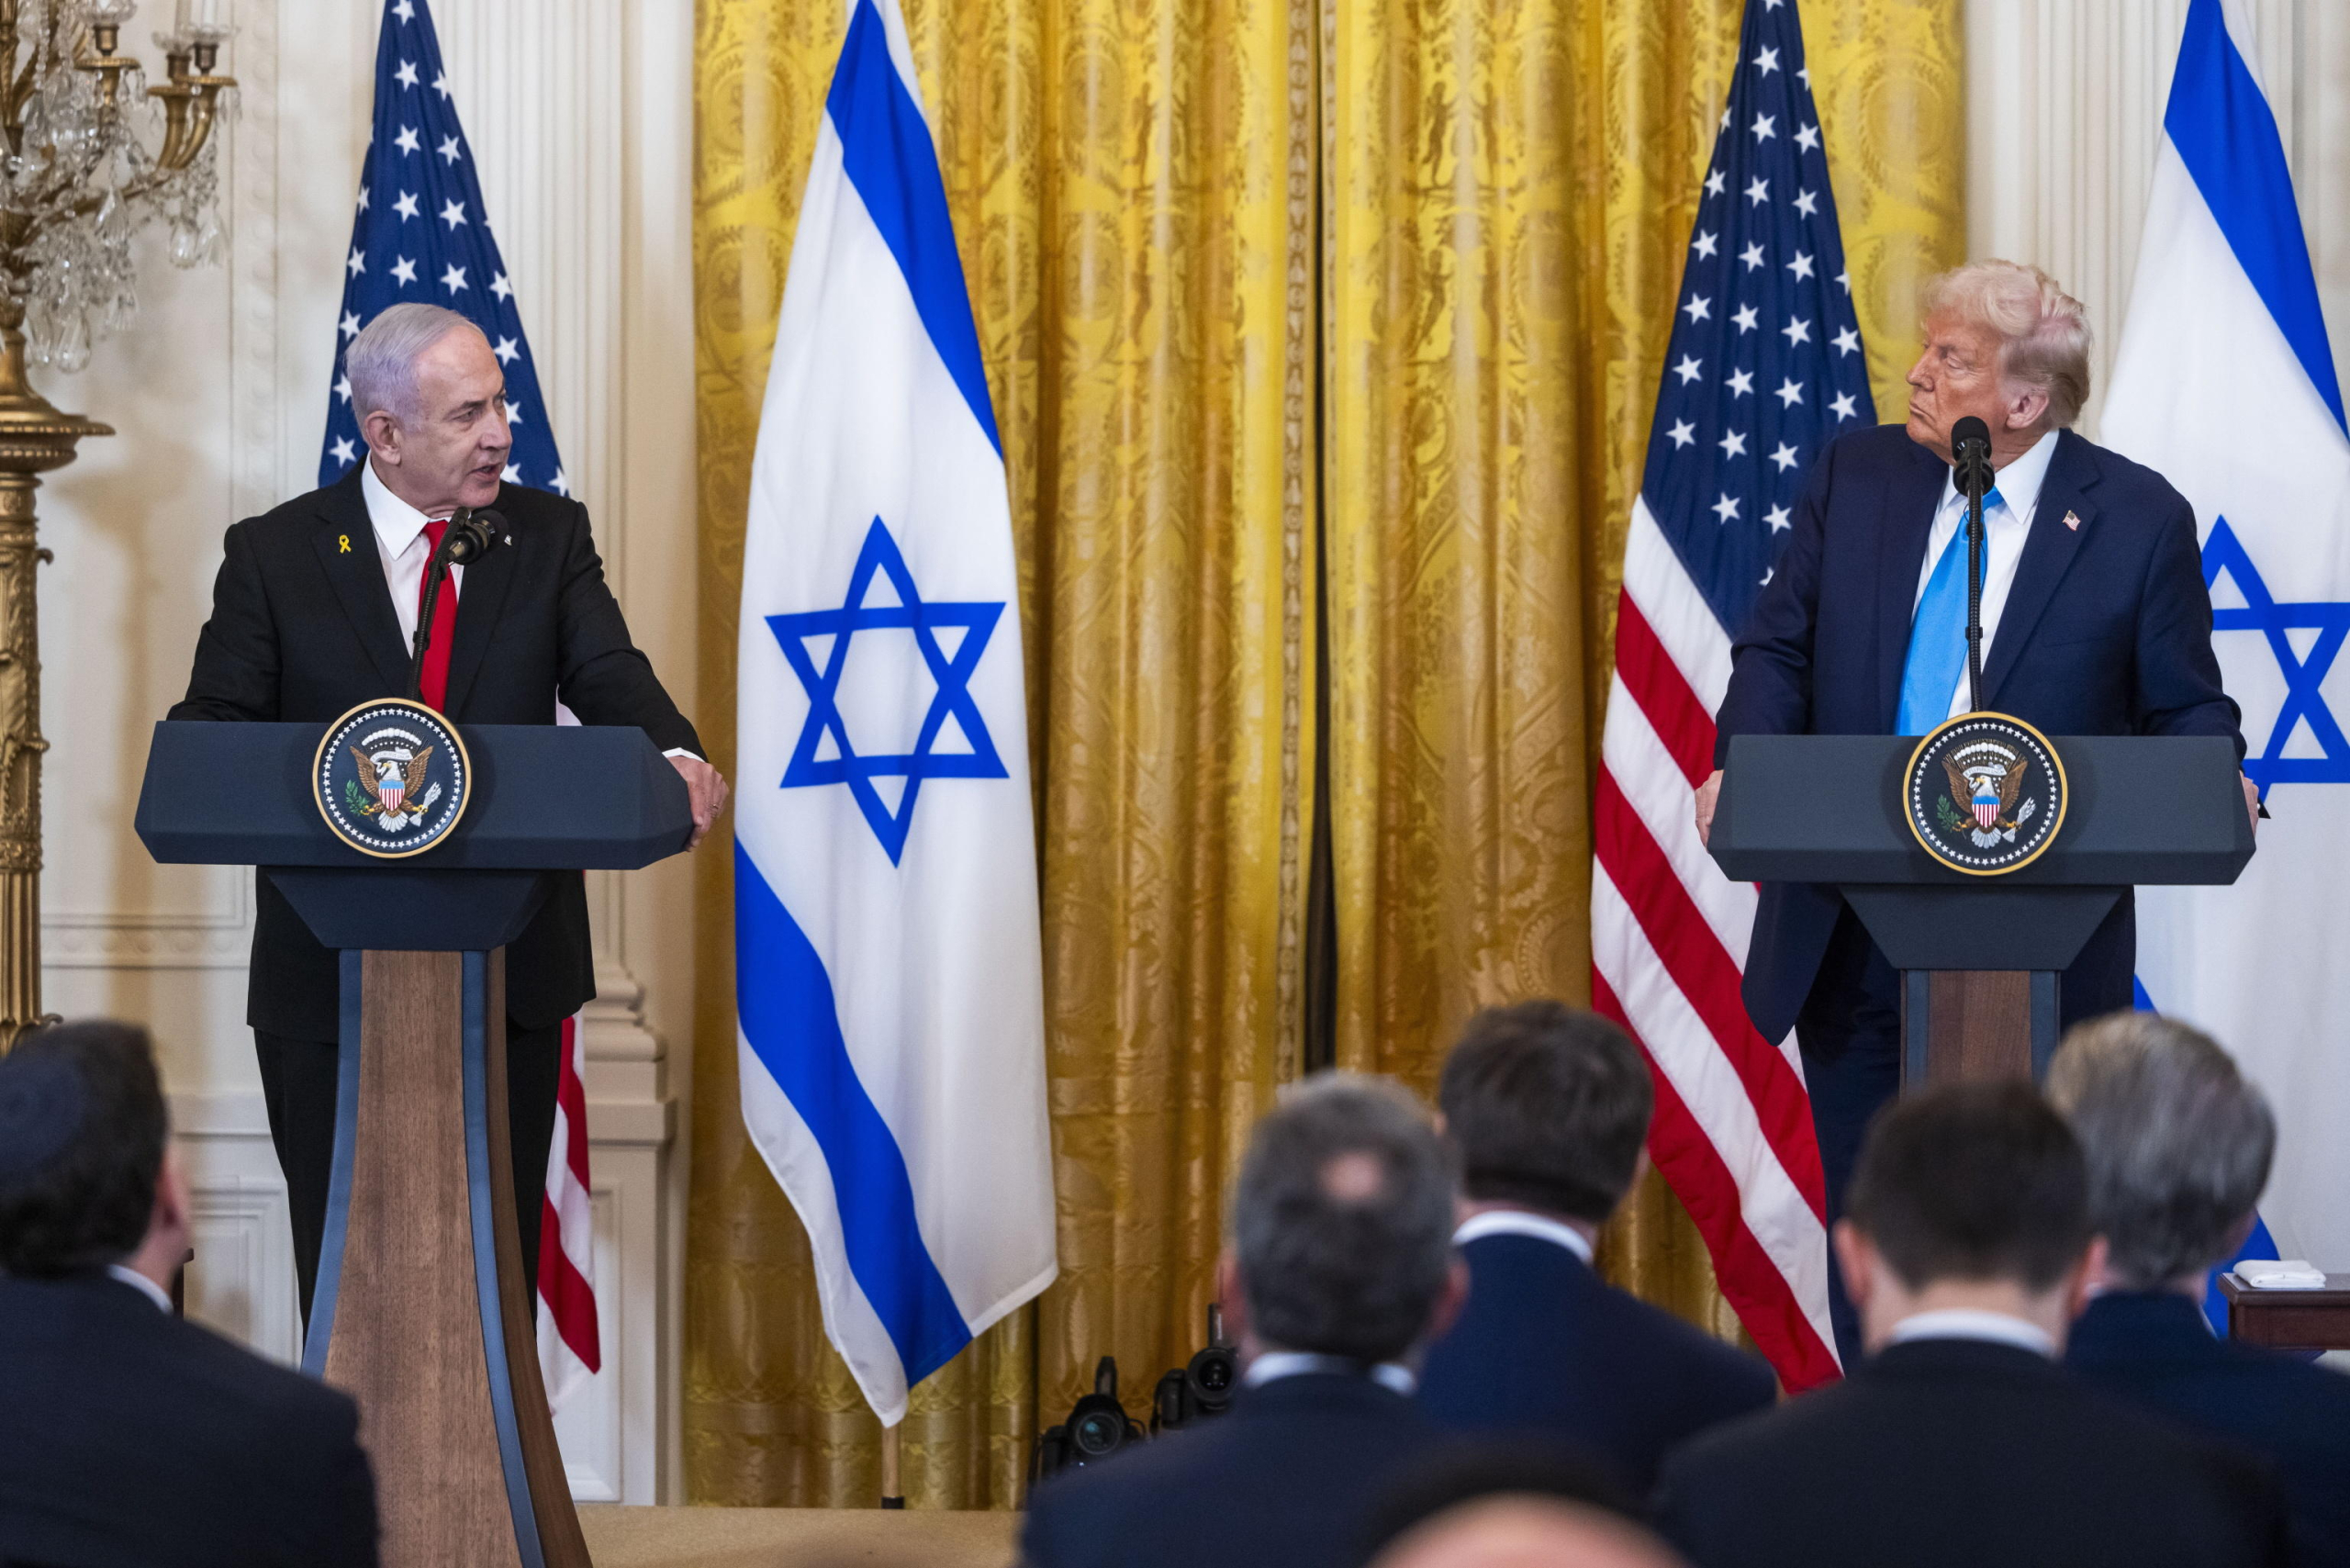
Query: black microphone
x,y
1970,449
472,532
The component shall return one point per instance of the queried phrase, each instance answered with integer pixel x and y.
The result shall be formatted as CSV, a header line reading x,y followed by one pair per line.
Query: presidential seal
x,y
391,778
1985,794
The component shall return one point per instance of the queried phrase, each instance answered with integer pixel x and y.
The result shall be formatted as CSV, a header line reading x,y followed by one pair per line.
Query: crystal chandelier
x,y
80,177
93,155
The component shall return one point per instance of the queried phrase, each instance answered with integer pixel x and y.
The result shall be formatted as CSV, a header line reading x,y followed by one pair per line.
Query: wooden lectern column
x,y
420,1312
1971,1026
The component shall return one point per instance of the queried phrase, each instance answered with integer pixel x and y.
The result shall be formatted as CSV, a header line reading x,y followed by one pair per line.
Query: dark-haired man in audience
x,y
1547,1107
128,1436
1339,1268
2178,1146
1967,1250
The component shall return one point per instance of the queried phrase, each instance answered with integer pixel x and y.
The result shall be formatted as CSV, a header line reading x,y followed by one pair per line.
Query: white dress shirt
x,y
1970,1323
2005,527
1517,1222
140,1283
401,545
1274,1365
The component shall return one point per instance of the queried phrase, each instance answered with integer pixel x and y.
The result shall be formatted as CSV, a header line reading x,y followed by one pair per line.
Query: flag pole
x,y
893,1495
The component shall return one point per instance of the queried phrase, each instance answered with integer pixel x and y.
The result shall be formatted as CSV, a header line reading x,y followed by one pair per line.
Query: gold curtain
x,y
1400,271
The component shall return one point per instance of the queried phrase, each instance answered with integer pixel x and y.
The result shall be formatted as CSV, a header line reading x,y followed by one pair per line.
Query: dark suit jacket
x,y
2157,1350
1544,1346
303,631
1965,1453
1286,1479
131,1436
2105,631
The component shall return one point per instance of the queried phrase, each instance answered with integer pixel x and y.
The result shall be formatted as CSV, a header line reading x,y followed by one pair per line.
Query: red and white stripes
x,y
1733,1131
569,1350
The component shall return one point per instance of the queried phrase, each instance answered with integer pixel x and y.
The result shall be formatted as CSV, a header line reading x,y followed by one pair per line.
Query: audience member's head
x,y
1973,1196
1342,1225
2179,1144
86,1178
1549,1106
1490,1504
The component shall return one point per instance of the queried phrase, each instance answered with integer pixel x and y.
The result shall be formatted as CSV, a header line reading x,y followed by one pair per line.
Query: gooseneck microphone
x,y
472,532
1970,448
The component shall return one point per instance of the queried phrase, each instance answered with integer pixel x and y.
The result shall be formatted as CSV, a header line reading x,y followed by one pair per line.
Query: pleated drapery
x,y
1308,325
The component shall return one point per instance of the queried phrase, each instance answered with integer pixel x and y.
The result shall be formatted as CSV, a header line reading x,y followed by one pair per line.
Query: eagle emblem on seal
x,y
394,780
1988,794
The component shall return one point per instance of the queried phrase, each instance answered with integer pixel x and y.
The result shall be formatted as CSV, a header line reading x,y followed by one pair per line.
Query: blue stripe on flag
x,y
2227,136
785,999
885,146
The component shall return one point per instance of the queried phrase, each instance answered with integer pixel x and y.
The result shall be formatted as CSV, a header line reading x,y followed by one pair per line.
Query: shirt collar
x,y
1518,1222
142,1283
1972,1322
396,523
2020,482
1274,1365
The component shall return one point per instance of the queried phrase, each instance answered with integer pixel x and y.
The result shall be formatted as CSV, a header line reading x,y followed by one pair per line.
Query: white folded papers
x,y
2271,1275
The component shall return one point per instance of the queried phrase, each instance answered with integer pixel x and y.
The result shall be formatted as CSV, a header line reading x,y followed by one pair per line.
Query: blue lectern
x,y
420,1310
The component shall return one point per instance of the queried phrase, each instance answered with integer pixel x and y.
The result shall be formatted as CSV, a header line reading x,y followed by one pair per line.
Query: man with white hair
x,y
2096,622
314,613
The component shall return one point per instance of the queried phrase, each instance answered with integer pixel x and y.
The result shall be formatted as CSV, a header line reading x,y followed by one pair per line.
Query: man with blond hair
x,y
2096,622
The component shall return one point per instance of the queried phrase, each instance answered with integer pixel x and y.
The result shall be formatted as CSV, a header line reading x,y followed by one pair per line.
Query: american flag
x,y
422,233
1765,367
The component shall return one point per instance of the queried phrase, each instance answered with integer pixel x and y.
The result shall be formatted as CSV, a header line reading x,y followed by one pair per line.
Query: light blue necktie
x,y
1938,633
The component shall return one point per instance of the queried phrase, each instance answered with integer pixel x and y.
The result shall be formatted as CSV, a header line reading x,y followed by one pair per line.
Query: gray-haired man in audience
x,y
1339,1270
2179,1144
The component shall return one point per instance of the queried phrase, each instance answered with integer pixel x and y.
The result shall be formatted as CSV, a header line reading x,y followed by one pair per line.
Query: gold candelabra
x,y
76,183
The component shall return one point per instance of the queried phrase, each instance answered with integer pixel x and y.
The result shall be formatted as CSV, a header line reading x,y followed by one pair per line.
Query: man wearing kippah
x,y
128,1435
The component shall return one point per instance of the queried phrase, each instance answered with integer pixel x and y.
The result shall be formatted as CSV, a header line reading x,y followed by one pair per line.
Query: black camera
x,y
1202,1388
1097,1428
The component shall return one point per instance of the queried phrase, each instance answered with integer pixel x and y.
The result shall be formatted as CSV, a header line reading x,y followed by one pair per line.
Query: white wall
x,y
2064,106
580,114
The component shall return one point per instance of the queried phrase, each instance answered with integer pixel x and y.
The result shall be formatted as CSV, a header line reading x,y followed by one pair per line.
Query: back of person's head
x,y
2179,1143
81,1135
1548,1105
1974,1182
1515,1502
1342,1221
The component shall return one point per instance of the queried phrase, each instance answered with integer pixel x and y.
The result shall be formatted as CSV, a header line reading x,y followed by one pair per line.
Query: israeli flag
x,y
2224,381
888,970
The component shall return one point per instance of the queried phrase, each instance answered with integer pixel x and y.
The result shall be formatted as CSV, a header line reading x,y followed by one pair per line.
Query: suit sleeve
x,y
1770,676
235,675
340,1494
2179,676
603,677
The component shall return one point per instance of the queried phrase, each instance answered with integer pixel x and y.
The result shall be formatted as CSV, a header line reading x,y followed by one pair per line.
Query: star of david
x,y
880,557
2304,677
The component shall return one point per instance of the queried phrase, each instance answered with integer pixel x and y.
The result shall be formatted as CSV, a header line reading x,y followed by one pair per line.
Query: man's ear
x,y
2026,408
1231,1297
173,1214
1857,1259
1451,1300
382,433
2085,1276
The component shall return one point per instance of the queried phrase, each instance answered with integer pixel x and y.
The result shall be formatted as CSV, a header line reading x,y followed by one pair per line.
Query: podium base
x,y
420,1312
1969,1025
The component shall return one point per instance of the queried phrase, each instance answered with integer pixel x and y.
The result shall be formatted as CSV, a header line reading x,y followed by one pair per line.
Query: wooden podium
x,y
1981,957
420,1311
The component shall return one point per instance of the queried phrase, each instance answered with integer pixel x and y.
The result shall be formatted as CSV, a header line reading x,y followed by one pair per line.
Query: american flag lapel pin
x,y
2073,521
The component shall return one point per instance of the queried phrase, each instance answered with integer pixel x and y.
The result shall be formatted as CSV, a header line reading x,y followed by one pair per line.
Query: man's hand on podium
x,y
707,787
1707,793
2252,802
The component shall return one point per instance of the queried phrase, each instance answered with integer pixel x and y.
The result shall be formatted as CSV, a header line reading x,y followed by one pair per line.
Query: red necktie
x,y
444,622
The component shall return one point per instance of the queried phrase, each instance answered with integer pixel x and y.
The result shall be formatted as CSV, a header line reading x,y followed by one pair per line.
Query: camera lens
x,y
1098,1431
1215,1376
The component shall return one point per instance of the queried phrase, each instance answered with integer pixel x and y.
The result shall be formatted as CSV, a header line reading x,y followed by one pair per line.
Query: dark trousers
x,y
298,1080
1849,1034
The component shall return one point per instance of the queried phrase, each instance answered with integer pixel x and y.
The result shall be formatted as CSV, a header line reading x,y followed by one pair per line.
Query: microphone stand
x,y
1976,545
467,538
